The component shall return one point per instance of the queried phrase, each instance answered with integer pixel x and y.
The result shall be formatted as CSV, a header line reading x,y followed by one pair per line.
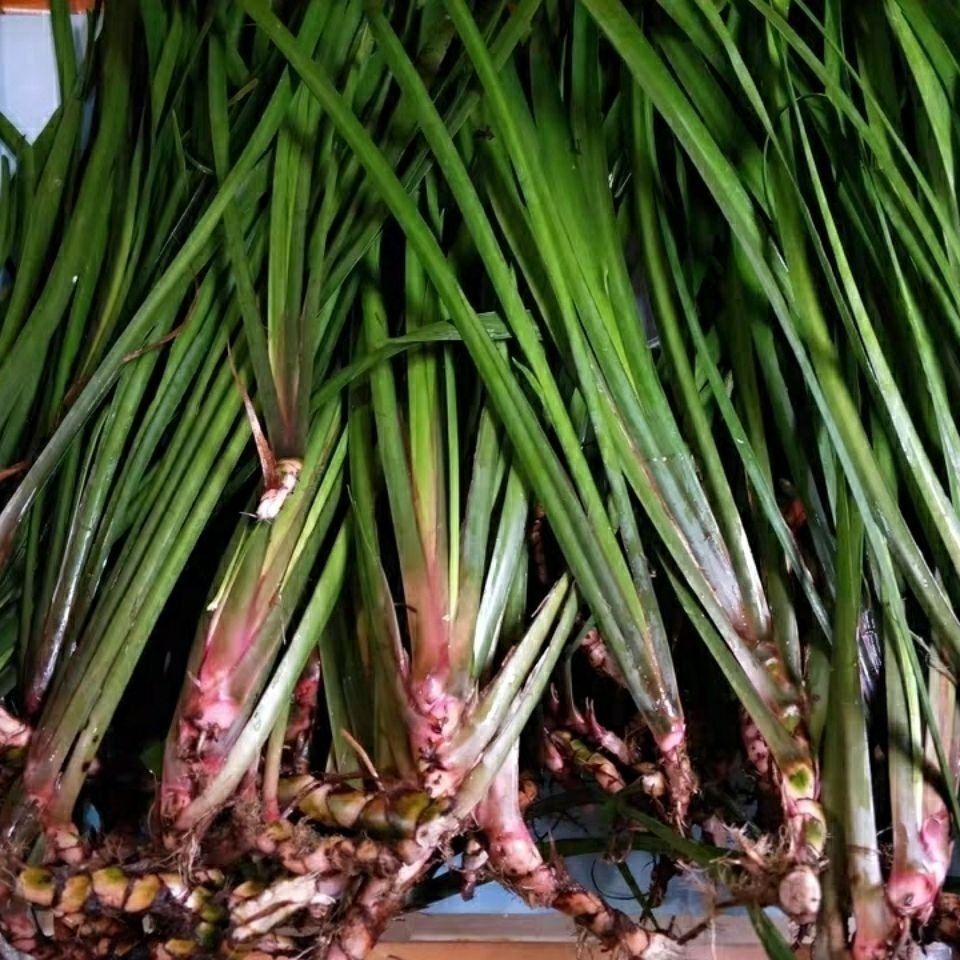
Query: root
x,y
756,749
792,792
303,851
590,763
376,902
517,861
945,922
799,894
64,845
607,740
681,780
264,909
279,487
69,913
567,753
548,885
302,711
601,659
393,814
795,791
570,759
361,927
536,544
76,914
475,860
765,873
14,735
555,761
529,790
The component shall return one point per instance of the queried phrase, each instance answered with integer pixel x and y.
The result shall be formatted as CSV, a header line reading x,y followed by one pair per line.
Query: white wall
x,y
28,73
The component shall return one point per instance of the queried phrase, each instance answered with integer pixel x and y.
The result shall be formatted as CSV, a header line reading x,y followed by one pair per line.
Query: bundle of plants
x,y
827,230
721,245
144,499
786,265
425,707
544,249
150,421
641,386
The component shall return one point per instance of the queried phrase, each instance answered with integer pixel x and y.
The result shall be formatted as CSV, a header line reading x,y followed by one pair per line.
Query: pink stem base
x,y
912,892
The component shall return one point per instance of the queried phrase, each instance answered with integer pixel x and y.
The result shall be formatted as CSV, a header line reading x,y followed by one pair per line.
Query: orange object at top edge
x,y
41,6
